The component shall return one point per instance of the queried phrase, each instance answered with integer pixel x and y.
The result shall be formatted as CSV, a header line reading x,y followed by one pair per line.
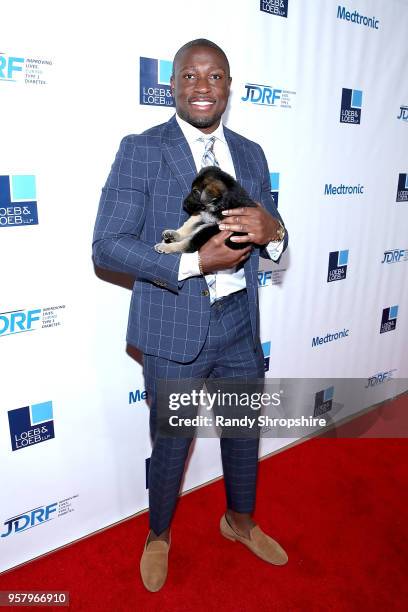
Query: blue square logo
x,y
23,187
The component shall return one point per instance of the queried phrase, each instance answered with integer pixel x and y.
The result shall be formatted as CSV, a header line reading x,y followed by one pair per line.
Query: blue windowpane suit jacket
x,y
143,195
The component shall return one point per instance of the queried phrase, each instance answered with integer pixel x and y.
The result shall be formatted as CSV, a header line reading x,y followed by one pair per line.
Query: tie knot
x,y
208,142
208,158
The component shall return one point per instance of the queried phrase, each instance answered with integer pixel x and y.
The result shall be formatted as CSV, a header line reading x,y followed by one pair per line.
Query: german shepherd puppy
x,y
212,192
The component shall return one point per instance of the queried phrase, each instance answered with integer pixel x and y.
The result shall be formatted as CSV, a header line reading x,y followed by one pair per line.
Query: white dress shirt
x,y
228,281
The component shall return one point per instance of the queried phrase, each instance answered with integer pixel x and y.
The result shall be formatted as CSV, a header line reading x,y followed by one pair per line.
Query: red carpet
x,y
338,506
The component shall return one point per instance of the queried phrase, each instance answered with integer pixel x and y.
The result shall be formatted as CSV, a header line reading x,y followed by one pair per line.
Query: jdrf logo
x,y
18,321
395,256
264,278
275,7
31,518
389,319
403,113
323,401
10,67
266,95
266,347
379,378
402,191
18,204
351,102
338,261
155,82
30,425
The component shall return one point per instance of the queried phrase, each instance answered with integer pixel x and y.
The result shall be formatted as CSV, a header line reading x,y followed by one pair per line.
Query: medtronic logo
x,y
266,347
38,516
155,82
274,176
337,266
389,319
137,396
18,204
403,113
30,425
30,71
317,340
323,401
370,22
275,7
351,102
402,191
266,95
380,378
395,256
342,189
26,320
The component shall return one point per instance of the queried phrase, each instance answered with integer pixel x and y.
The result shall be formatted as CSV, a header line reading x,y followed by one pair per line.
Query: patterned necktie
x,y
208,158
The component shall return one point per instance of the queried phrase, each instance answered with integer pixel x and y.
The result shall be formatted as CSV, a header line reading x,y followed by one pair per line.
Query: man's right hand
x,y
216,255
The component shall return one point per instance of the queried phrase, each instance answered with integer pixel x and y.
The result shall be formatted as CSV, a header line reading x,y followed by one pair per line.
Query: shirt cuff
x,y
188,266
274,248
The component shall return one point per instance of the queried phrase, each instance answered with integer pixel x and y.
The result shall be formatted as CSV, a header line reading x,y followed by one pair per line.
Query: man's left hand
x,y
257,224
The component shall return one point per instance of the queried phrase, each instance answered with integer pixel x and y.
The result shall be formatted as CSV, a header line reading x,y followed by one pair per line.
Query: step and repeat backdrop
x,y
323,88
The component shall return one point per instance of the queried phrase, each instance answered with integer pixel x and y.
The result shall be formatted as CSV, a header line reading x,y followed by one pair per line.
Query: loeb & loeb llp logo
x,y
338,261
30,425
18,200
155,82
323,401
275,7
402,191
389,319
38,516
351,103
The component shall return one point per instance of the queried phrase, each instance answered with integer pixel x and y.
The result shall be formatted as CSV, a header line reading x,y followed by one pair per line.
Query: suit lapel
x,y
237,150
244,176
177,153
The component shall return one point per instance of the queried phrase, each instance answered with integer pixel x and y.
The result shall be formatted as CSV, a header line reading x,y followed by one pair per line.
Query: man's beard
x,y
199,122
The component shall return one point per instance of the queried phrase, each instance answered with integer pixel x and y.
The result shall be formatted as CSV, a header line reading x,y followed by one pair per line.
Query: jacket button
x,y
205,292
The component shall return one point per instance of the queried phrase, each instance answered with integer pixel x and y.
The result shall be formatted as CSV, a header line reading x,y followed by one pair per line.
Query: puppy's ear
x,y
236,197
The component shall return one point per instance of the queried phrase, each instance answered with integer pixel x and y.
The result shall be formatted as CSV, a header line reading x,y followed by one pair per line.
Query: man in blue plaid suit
x,y
193,315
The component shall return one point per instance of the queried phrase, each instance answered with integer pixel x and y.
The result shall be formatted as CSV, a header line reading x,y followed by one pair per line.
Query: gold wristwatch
x,y
280,233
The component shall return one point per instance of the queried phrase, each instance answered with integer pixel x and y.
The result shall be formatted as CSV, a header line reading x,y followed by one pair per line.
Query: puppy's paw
x,y
162,247
169,235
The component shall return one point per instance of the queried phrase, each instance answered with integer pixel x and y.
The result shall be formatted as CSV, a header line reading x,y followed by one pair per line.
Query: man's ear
x,y
172,85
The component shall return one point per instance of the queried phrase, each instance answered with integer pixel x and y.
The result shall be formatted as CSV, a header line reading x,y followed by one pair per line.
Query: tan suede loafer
x,y
154,564
259,543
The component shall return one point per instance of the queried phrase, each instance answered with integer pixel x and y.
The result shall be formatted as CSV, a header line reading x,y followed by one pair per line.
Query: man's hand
x,y
257,224
216,255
